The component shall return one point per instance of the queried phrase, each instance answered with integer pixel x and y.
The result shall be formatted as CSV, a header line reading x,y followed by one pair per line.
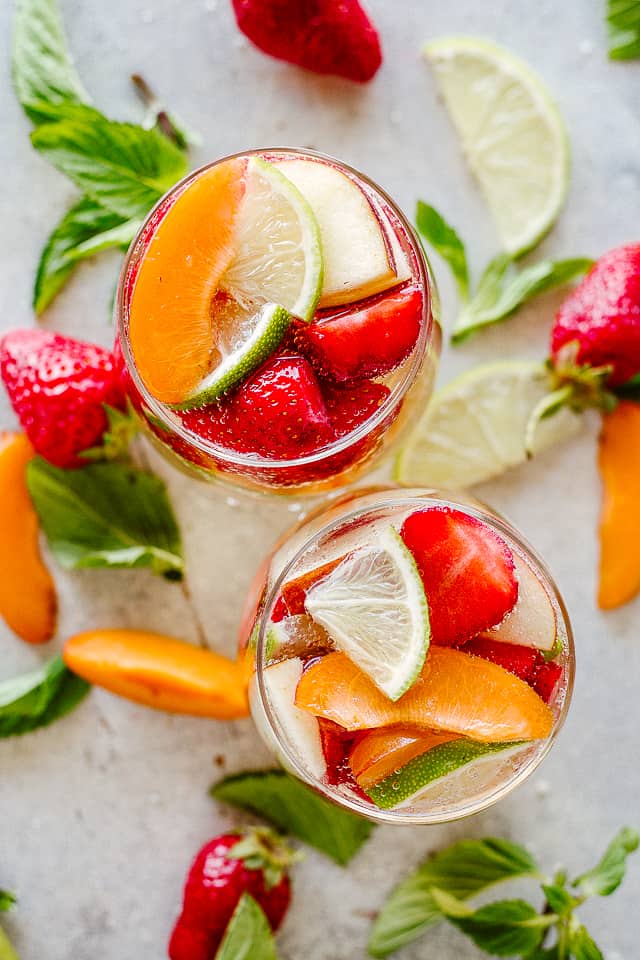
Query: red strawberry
x,y
602,317
348,407
57,386
336,744
546,680
467,571
524,662
325,36
278,413
294,592
225,868
367,342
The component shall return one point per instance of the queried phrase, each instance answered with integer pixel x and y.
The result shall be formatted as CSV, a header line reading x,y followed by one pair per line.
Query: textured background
x,y
101,813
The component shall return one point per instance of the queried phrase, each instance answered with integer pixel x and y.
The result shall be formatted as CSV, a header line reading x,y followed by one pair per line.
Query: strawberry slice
x,y
348,407
294,592
278,413
367,342
524,662
546,680
467,571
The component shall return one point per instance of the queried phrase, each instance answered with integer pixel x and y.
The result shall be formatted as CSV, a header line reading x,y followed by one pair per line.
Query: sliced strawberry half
x,y
366,342
524,662
467,570
278,413
349,407
546,680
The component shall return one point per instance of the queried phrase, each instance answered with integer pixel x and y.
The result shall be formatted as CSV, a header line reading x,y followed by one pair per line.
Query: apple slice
x,y
357,263
532,622
302,730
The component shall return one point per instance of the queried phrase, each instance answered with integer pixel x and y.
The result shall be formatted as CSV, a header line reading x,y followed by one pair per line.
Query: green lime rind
x,y
436,763
272,322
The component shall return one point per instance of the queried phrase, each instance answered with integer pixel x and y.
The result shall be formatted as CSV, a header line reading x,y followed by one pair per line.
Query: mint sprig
x,y
106,515
38,698
7,900
502,288
248,935
504,928
623,27
296,809
122,169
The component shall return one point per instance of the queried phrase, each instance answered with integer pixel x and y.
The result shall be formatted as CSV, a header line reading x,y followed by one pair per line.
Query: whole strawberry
x,y
598,325
57,386
254,862
326,36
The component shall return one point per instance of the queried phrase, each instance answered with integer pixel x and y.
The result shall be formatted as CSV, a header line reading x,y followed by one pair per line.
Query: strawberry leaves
x,y
441,887
248,935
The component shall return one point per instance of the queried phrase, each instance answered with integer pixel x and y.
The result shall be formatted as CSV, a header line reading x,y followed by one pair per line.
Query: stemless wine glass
x,y
337,463
332,532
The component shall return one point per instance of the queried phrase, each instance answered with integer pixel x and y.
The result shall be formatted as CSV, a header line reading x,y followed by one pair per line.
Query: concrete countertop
x,y
101,813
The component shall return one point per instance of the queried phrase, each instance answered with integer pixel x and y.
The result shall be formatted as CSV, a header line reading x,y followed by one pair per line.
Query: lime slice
x,y
477,427
374,608
429,767
512,134
278,257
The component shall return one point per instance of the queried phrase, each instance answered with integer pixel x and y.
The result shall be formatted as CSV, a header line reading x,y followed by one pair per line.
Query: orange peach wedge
x,y
159,672
619,461
455,692
382,752
27,592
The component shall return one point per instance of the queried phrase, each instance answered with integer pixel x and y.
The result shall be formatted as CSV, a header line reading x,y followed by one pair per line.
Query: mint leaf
x,y
505,293
123,167
106,515
86,228
444,239
504,928
42,68
560,900
623,26
296,809
159,117
608,874
116,440
582,946
463,869
6,950
36,699
7,900
248,935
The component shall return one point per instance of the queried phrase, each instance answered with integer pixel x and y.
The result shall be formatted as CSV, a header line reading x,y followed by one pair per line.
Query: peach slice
x,y
27,592
455,692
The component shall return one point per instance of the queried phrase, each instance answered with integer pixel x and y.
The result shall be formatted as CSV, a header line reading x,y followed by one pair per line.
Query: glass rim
x,y
231,457
378,815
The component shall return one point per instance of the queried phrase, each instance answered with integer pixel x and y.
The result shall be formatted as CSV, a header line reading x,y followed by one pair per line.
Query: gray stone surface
x,y
100,814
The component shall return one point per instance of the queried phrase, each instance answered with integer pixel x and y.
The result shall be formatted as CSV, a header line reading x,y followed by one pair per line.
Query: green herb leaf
x,y
36,699
504,293
84,230
623,25
582,946
463,869
629,390
443,238
6,950
106,515
560,900
7,900
544,953
296,809
504,928
609,872
248,936
122,166
123,427
159,117
41,65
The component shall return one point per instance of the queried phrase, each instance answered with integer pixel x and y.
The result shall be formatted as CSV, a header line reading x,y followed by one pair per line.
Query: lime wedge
x,y
429,767
278,257
374,609
478,426
512,134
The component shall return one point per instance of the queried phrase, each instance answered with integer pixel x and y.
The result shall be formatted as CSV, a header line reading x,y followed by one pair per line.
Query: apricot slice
x,y
27,592
619,462
455,692
160,672
171,319
382,752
